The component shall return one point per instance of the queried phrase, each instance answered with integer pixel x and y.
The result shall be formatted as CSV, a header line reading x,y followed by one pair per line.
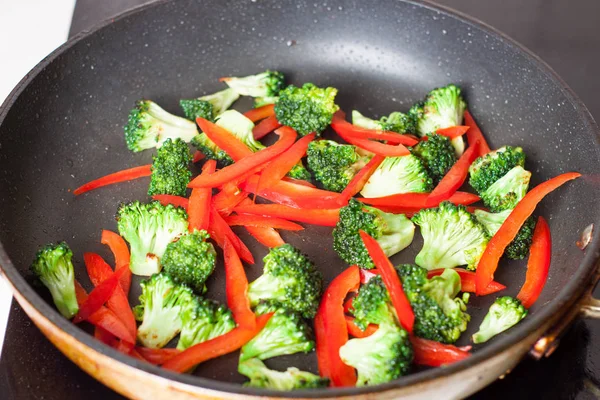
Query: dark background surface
x,y
564,34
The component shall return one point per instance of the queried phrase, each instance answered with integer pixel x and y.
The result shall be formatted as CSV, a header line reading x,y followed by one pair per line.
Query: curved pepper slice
x,y
284,162
116,177
323,217
219,231
266,236
359,180
256,114
435,354
451,132
177,201
474,134
467,281
199,204
157,356
262,222
538,264
236,288
224,139
99,296
120,251
418,201
264,127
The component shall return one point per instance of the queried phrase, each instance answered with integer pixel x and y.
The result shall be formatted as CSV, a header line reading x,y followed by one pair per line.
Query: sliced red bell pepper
x,y
124,347
99,296
262,222
266,236
346,129
467,280
511,226
198,156
298,181
260,158
264,127
116,177
134,353
105,336
348,303
359,180
99,271
219,231
391,280
157,356
356,332
199,204
236,288
228,198
256,114
436,354
323,217
283,163
216,347
224,139
452,132
474,134
454,178
538,264
120,251
177,201
418,200
330,327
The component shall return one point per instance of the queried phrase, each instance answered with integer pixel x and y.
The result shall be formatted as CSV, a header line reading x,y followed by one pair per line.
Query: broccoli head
x,y
150,126
406,174
395,122
506,192
170,172
290,279
393,232
519,247
451,237
162,304
149,228
190,260
333,164
372,305
437,155
265,84
505,313
488,168
292,379
53,267
299,171
306,109
204,320
439,314
209,106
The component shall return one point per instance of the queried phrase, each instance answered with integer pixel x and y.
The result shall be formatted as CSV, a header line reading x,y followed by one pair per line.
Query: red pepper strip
x,y
330,328
298,181
134,353
99,271
418,200
120,251
356,332
452,132
538,264
224,139
262,222
199,203
228,198
216,347
198,156
264,127
467,281
105,336
391,280
266,236
474,134
509,229
435,354
236,288
260,158
348,304
124,347
454,178
219,231
104,318
116,177
177,201
359,180
323,217
256,114
281,165
157,356
346,129
99,296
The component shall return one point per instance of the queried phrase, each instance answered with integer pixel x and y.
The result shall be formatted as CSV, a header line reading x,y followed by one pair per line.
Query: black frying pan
x,y
62,126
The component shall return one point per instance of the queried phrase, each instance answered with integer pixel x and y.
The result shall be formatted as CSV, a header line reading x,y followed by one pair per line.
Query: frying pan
x,y
62,126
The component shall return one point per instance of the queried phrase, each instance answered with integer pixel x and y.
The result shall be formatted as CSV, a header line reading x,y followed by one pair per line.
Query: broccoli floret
x,y
439,314
372,305
290,279
150,126
285,333
53,267
333,164
263,101
442,108
519,247
505,313
299,171
306,109
221,101
162,304
406,174
149,228
265,84
170,172
291,379
393,232
506,192
451,237
205,320
395,122
190,260
196,108
489,168
437,155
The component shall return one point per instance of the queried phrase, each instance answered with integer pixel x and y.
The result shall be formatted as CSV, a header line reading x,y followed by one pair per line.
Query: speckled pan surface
x,y
63,126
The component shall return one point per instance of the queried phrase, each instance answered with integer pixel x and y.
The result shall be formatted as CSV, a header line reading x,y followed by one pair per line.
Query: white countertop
x,y
29,30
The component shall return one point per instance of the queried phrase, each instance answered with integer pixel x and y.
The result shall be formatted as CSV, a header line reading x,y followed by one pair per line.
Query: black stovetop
x,y
566,34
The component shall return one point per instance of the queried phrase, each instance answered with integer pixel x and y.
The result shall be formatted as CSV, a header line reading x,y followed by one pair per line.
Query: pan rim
x,y
568,294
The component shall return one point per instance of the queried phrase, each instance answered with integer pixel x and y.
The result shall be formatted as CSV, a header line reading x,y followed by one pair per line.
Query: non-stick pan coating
x,y
63,126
